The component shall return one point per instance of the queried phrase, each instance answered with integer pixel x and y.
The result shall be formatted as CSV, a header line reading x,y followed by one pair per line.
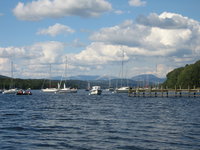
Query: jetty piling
x,y
153,92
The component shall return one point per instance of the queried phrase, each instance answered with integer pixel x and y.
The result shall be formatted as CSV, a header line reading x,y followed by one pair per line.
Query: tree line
x,y
184,77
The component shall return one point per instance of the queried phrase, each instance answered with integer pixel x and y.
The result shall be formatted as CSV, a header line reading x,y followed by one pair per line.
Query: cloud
x,y
55,30
174,41
10,52
49,52
44,52
98,53
127,33
148,42
155,37
118,12
137,3
1,14
77,43
166,20
32,61
40,9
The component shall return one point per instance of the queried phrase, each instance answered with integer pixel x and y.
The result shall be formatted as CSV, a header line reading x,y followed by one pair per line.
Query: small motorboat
x,y
122,90
24,92
96,90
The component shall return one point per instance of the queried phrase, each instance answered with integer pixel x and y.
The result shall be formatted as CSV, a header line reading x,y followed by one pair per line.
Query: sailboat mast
x,y
122,69
49,75
65,72
11,69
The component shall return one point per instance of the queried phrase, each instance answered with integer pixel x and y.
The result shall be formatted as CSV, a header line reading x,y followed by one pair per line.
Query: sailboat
x,y
88,87
122,89
65,89
50,89
11,90
110,88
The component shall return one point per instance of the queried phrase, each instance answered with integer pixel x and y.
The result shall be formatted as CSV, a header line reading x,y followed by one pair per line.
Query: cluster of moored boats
x,y
95,90
17,91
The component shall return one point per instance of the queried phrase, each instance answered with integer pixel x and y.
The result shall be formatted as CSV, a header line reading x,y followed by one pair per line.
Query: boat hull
x,y
10,91
67,90
122,90
50,90
95,92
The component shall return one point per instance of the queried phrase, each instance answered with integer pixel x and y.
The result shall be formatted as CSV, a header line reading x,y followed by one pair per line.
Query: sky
x,y
94,37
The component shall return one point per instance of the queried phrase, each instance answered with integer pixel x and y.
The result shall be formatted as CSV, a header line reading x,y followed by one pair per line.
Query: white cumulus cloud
x,y
28,59
170,36
40,9
137,3
56,29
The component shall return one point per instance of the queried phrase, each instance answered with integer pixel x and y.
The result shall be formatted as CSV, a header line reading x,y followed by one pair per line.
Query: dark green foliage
x,y
184,77
37,83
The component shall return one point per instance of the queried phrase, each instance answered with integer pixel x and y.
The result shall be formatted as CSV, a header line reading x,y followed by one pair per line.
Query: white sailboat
x,y
11,90
50,89
110,88
65,89
122,89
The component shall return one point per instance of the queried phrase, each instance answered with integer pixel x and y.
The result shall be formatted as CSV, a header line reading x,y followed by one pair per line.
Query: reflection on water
x,y
108,121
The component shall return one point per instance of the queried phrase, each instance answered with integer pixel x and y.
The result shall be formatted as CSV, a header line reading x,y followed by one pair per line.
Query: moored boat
x,y
124,89
24,92
10,91
96,90
50,90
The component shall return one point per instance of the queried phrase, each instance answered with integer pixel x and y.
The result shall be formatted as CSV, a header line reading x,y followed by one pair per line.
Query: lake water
x,y
99,122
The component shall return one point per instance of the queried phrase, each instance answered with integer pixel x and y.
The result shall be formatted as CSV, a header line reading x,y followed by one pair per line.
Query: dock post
x,y
188,91
194,94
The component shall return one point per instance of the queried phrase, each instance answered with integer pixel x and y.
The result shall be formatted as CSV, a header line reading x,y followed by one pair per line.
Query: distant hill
x,y
148,78
144,77
85,77
184,77
3,77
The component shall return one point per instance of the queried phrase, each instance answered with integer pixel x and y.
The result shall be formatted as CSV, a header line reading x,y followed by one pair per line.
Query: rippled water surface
x,y
108,122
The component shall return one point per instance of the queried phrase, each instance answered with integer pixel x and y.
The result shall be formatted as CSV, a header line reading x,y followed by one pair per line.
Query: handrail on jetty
x,y
153,92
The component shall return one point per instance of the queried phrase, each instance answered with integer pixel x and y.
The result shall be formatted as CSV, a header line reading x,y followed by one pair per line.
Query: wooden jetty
x,y
153,92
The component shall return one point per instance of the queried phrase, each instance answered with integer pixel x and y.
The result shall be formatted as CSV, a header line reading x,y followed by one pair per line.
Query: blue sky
x,y
156,36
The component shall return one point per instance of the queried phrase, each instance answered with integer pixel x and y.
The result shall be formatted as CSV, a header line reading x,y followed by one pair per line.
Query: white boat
x,y
10,91
110,89
50,90
66,89
124,89
73,90
96,90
